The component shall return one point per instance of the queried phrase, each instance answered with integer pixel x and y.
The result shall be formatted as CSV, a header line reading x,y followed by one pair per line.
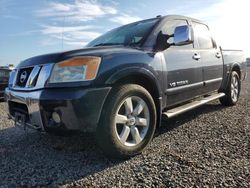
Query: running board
x,y
181,109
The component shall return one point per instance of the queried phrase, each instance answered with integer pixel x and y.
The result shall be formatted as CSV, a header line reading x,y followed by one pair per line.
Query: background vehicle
x,y
125,81
4,78
248,62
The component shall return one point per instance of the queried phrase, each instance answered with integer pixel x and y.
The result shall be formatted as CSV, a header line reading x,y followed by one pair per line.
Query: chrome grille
x,y
23,76
30,78
33,77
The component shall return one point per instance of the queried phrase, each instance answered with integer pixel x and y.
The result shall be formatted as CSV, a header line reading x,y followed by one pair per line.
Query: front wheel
x,y
128,121
232,91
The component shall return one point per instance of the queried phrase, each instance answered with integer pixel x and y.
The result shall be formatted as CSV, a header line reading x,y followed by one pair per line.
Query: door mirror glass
x,y
183,35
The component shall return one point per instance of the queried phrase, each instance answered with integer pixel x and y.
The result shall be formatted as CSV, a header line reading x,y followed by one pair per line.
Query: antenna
x,y
63,25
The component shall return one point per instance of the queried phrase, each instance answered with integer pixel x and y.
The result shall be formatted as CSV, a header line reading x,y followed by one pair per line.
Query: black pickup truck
x,y
125,81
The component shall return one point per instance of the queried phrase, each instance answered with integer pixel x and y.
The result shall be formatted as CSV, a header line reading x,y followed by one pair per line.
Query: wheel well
x,y
149,85
237,69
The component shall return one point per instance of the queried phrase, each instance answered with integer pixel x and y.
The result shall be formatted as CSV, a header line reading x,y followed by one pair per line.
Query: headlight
x,y
76,69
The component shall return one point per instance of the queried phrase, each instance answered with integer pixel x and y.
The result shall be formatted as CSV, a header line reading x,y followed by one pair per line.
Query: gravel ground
x,y
206,147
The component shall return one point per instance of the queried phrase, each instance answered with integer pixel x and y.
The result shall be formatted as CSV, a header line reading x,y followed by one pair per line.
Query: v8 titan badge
x,y
178,83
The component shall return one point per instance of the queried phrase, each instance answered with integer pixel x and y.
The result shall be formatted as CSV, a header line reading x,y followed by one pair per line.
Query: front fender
x,y
150,76
135,71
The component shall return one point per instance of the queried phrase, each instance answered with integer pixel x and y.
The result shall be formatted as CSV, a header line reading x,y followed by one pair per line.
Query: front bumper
x,y
78,108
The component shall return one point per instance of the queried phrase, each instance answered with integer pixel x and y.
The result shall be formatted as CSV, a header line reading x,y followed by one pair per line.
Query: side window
x,y
169,28
203,36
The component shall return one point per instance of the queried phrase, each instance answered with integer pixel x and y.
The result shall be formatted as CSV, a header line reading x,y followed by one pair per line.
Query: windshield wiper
x,y
108,44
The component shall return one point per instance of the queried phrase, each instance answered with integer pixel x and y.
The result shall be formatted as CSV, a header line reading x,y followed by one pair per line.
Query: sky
x,y
34,27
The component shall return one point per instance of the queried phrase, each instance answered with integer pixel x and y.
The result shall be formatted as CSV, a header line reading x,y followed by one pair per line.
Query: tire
x,y
127,134
232,91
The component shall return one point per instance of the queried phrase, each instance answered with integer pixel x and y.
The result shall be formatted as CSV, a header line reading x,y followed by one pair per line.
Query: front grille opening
x,y
18,107
23,76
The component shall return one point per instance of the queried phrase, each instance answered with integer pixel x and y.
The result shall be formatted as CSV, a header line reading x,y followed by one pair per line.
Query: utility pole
x,y
63,25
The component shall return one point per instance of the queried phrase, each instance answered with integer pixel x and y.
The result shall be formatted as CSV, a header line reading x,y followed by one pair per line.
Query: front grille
x,y
17,107
23,76
30,78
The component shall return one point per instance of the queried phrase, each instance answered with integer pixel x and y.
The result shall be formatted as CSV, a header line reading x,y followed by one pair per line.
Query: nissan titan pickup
x,y
124,82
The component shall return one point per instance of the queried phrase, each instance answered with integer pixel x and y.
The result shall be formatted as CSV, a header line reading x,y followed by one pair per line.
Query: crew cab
x,y
124,82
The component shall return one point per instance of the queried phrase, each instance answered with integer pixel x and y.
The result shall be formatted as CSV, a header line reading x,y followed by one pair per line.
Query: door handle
x,y
196,56
218,55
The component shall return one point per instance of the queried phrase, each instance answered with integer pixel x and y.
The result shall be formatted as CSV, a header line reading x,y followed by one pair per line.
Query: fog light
x,y
56,117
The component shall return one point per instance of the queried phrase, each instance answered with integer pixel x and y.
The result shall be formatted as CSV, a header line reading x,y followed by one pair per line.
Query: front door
x,y
184,69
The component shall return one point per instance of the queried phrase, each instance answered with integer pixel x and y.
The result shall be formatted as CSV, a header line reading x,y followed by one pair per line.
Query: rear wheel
x,y
233,90
127,122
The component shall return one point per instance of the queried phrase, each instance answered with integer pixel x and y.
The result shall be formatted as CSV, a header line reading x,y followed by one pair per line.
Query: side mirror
x,y
183,35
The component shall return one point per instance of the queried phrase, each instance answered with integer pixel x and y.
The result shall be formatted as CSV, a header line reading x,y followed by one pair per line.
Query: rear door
x,y
184,78
211,57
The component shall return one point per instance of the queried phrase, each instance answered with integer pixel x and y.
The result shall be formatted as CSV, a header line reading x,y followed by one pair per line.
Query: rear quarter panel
x,y
233,58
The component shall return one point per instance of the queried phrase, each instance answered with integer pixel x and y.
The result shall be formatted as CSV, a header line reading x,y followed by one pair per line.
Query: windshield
x,y
128,35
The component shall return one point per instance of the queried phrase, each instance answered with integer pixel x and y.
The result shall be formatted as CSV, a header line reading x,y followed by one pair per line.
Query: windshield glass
x,y
128,35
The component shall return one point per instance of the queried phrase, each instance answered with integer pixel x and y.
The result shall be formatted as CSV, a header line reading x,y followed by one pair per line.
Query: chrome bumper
x,y
31,100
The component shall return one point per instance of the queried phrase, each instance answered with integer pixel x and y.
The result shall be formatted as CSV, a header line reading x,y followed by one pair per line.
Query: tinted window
x,y
132,34
169,28
203,36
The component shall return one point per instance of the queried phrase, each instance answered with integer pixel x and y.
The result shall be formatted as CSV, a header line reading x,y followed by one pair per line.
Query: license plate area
x,y
20,120
18,108
20,114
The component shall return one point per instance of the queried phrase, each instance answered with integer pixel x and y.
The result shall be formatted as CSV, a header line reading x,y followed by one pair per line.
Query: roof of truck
x,y
173,17
180,17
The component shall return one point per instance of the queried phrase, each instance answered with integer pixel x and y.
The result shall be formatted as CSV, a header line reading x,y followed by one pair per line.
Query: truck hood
x,y
95,51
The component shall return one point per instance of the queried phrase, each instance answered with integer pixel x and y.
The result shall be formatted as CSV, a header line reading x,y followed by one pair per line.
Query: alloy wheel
x,y
132,121
234,88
